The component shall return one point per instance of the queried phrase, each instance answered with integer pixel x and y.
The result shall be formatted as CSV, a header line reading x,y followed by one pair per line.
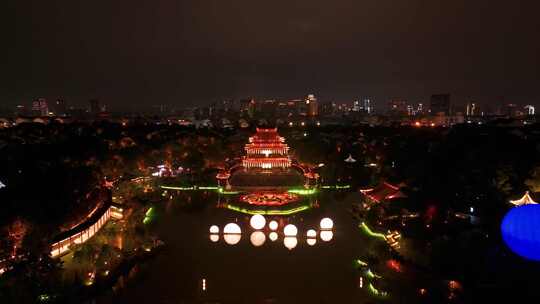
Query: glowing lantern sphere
x,y
520,230
257,238
232,239
327,223
311,233
232,228
257,222
311,242
327,235
290,242
273,236
290,230
273,225
214,229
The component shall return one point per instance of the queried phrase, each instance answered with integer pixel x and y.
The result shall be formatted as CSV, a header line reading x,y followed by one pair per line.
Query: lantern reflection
x,y
257,238
326,236
214,237
290,242
232,239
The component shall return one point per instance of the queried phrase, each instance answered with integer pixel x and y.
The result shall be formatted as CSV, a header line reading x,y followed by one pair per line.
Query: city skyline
x,y
184,54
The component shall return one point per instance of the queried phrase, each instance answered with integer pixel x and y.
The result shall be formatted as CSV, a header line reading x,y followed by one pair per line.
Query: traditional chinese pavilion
x,y
266,150
383,192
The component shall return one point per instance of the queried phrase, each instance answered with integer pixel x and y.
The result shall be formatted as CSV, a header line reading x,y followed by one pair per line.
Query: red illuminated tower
x,y
266,150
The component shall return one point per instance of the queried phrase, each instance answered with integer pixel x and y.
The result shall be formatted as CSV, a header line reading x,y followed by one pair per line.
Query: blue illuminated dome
x,y
520,230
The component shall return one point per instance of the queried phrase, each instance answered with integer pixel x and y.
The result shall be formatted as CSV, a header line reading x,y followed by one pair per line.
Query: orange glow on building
x,y
525,200
266,150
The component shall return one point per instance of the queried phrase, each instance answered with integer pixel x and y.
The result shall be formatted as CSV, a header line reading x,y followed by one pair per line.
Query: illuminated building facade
x,y
266,150
86,230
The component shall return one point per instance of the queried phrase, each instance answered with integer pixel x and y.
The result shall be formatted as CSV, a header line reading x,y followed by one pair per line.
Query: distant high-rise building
x,y
397,106
420,108
367,105
510,110
60,107
312,105
440,103
20,110
94,106
40,107
356,106
472,109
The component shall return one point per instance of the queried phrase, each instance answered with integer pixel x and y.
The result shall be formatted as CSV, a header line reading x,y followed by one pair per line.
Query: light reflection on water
x,y
257,238
290,242
230,260
232,239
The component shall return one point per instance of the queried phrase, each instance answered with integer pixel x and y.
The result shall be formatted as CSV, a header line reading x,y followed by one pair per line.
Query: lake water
x,y
243,273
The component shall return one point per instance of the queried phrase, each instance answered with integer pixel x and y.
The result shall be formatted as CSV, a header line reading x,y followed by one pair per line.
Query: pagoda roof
x,y
383,191
269,135
524,200
350,159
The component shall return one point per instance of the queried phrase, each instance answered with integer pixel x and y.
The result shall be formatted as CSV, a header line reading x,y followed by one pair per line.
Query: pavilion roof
x,y
524,200
383,191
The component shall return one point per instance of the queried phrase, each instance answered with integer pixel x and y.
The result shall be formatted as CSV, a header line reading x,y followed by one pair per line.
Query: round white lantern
x,y
273,225
214,229
327,223
232,228
290,230
257,222
257,238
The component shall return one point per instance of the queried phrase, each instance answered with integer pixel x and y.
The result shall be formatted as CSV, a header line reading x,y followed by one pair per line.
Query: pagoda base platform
x,y
267,178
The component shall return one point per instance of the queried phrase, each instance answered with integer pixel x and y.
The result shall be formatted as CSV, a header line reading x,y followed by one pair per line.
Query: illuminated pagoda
x,y
266,150
525,200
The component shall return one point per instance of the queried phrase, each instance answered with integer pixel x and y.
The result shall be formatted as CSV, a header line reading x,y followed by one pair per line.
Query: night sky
x,y
183,52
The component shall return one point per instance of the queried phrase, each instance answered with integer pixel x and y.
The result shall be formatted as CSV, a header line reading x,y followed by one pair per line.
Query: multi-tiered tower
x,y
266,150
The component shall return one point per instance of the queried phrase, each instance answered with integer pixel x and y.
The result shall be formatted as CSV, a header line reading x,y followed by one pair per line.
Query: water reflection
x,y
232,232
257,238
326,236
232,239
290,242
